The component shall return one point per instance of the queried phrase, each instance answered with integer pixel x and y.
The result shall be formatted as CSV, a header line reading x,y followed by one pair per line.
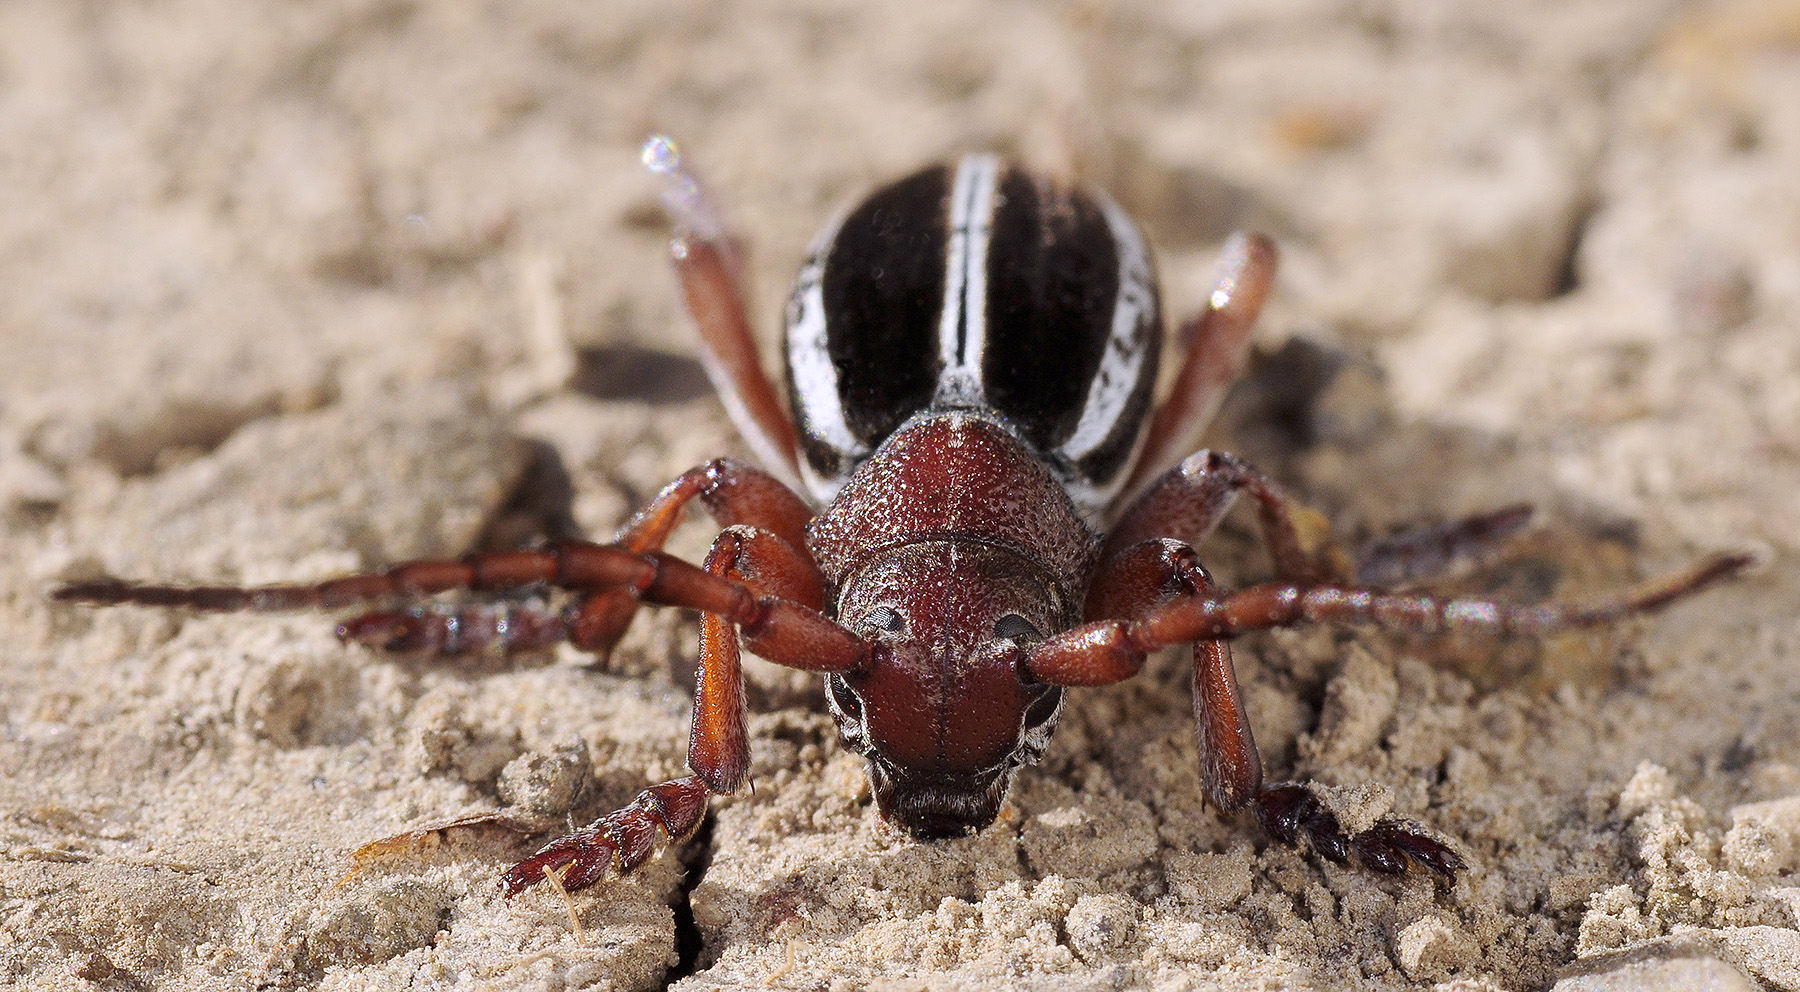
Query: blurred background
x,y
291,289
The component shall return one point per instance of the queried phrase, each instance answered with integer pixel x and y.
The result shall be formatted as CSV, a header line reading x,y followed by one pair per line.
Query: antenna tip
x,y
661,155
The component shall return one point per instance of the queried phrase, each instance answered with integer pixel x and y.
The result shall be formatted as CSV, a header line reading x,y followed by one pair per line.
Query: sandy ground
x,y
290,289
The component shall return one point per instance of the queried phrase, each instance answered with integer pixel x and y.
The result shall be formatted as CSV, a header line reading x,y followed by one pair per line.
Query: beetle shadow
x,y
540,507
626,371
1322,421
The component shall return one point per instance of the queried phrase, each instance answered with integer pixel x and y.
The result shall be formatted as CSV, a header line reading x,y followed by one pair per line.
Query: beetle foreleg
x,y
1133,583
621,840
1156,596
1230,765
718,745
733,492
1289,811
766,567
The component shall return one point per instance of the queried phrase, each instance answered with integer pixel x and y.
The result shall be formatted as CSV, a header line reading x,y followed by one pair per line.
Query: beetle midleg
x,y
1189,500
733,492
462,629
719,746
718,743
1217,340
1425,552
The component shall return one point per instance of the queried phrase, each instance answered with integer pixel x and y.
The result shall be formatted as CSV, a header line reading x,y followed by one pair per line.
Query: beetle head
x,y
944,711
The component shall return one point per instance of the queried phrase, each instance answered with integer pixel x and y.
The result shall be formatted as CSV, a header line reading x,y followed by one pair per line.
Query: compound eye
x,y
1013,627
886,620
845,698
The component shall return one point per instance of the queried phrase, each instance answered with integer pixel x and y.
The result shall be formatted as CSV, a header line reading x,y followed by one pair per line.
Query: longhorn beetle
x,y
971,355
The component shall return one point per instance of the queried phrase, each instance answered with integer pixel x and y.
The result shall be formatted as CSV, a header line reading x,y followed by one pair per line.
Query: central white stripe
x,y
962,327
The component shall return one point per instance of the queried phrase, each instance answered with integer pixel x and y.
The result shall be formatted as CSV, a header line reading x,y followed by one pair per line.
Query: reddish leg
x,y
1151,573
718,744
757,584
733,492
1107,651
448,631
1290,811
1189,500
612,575
1423,552
781,631
620,840
707,261
1217,340
1153,593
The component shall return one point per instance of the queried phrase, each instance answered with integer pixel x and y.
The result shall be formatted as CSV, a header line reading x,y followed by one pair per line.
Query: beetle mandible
x,y
971,356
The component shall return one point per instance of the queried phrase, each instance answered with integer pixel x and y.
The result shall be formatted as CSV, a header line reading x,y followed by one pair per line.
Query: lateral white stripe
x,y
972,197
1123,361
809,360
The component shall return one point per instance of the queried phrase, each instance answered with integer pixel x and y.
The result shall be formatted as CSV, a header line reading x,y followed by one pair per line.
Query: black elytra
x,y
977,286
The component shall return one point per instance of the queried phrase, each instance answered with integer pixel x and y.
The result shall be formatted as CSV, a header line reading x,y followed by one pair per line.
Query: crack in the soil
x,y
689,945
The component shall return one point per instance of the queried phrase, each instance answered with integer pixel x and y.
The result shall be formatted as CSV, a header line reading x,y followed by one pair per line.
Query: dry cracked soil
x,y
290,290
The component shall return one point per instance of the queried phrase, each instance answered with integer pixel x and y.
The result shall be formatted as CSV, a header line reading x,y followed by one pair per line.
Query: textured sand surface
x,y
289,290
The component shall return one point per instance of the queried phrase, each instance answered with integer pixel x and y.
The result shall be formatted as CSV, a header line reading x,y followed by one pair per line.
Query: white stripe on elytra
x,y
972,196
809,358
1126,346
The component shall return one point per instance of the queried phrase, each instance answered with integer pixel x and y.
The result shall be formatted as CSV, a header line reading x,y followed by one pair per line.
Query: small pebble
x,y
1656,971
539,783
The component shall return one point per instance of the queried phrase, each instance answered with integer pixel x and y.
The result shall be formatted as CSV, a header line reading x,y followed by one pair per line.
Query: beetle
x,y
999,511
